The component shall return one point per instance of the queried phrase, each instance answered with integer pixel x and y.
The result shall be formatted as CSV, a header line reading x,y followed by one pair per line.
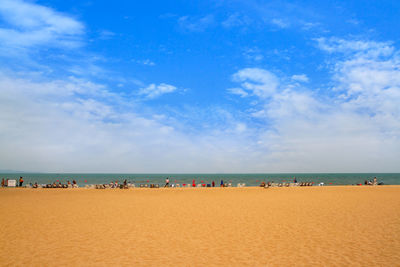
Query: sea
x,y
328,179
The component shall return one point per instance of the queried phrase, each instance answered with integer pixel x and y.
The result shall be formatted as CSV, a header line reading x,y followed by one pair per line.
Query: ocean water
x,y
249,179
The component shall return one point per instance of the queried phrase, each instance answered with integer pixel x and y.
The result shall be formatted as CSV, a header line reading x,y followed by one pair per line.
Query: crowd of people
x,y
125,184
286,184
372,182
5,182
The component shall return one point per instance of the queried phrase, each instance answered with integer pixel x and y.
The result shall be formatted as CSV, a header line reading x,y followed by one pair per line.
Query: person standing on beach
x,y
21,181
166,182
222,183
3,182
213,184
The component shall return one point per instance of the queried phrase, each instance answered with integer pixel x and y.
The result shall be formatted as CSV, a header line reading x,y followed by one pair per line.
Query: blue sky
x,y
208,86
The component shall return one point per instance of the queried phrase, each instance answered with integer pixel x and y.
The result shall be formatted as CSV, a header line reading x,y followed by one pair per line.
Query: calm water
x,y
249,179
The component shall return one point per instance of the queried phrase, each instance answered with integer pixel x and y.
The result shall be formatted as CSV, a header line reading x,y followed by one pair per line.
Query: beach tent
x,y
12,183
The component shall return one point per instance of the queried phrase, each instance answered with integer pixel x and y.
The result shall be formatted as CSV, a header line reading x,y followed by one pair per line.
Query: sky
x,y
200,86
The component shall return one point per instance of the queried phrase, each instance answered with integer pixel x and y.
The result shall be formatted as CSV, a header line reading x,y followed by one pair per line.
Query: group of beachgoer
x,y
56,184
268,184
202,184
4,182
371,182
126,184
295,183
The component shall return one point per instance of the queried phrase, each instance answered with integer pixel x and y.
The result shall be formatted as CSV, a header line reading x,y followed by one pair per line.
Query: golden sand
x,y
303,226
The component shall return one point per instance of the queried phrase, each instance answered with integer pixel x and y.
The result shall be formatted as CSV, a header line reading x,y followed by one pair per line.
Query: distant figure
x,y
166,182
73,182
213,184
2,182
262,184
21,181
69,183
222,183
125,182
295,180
375,181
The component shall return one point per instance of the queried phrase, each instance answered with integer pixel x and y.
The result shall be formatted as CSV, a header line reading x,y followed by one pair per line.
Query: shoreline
x,y
194,188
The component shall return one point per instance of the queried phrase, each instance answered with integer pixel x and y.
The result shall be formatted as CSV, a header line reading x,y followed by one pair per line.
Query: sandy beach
x,y
301,226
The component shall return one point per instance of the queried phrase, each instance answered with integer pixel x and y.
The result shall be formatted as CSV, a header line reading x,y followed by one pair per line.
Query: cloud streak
x,y
153,91
30,25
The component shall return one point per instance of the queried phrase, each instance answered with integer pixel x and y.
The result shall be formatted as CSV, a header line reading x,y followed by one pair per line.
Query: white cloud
x,y
146,62
241,127
238,91
310,25
154,91
367,48
253,54
356,129
75,125
300,78
28,25
259,82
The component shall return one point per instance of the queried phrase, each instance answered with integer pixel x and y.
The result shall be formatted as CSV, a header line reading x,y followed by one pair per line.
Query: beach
x,y
301,226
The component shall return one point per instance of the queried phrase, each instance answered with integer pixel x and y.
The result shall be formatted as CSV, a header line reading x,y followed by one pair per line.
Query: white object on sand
x,y
12,183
